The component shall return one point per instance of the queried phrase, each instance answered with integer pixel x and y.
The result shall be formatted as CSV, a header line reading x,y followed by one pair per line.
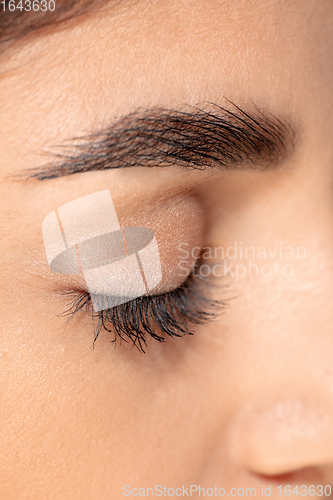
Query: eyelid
x,y
176,221
73,235
172,313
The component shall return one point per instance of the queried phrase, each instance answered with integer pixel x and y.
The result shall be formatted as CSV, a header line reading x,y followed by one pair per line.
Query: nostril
x,y
299,477
306,482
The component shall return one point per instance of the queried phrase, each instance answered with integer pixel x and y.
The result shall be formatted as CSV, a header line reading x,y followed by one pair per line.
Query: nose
x,y
284,419
285,436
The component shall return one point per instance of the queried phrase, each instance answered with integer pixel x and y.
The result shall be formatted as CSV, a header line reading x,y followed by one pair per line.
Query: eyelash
x,y
173,313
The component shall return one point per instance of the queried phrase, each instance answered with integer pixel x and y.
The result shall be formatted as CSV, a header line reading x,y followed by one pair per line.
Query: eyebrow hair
x,y
196,139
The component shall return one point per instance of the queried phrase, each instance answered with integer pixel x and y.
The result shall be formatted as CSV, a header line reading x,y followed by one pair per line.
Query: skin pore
x,y
245,402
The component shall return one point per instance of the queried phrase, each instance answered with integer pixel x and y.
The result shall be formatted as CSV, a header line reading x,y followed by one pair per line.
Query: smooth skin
x,y
248,400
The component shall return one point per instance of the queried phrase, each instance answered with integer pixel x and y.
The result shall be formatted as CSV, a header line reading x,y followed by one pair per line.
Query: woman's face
x,y
247,401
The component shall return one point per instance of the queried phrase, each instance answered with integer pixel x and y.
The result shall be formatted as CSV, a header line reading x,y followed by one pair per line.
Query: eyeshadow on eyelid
x,y
85,236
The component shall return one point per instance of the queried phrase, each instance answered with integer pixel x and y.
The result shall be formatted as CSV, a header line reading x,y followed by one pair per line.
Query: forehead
x,y
146,53
155,37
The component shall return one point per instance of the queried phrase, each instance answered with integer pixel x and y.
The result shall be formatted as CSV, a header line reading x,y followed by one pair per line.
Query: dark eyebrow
x,y
195,139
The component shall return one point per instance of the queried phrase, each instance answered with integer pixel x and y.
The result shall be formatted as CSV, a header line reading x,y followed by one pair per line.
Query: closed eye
x,y
173,314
